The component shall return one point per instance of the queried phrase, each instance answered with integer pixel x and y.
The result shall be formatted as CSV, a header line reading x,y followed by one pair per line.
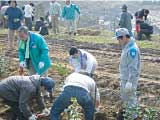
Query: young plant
x,y
150,114
62,69
73,110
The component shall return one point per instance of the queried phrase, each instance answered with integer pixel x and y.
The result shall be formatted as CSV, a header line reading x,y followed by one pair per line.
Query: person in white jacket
x,y
28,16
82,60
81,87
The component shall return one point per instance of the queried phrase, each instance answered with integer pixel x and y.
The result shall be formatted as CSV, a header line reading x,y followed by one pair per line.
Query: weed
x,y
62,69
73,110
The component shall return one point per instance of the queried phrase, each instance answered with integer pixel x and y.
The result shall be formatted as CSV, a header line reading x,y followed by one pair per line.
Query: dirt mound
x,y
88,32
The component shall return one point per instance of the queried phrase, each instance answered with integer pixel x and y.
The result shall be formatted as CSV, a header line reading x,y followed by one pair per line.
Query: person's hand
x,y
22,64
45,113
6,17
32,117
16,19
128,87
41,65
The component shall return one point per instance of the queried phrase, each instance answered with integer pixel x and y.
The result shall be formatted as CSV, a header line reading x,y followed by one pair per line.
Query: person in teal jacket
x,y
68,14
33,52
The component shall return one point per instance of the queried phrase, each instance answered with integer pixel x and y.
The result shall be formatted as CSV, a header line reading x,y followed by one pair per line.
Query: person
x,y
82,61
44,29
28,16
17,91
142,27
14,15
33,10
2,12
129,69
125,20
39,24
68,14
84,89
33,52
55,12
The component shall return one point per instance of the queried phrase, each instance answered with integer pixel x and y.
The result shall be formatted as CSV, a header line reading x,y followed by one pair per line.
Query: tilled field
x,y
107,73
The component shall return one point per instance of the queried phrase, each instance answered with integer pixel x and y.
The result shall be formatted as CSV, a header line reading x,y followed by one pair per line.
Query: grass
x,y
105,37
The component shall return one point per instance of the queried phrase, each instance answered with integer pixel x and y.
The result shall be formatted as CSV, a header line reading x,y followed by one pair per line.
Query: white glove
x,y
22,64
16,19
62,19
128,87
45,112
41,65
33,117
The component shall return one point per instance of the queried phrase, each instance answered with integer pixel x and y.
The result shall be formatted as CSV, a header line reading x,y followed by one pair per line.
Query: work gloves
x,y
44,113
16,20
41,65
33,117
128,87
22,64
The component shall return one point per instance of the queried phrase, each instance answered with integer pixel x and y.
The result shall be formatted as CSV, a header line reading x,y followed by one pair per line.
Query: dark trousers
x,y
15,113
28,22
63,101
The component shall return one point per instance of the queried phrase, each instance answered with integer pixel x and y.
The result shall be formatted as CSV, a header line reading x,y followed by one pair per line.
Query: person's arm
x,y
24,97
64,12
122,20
43,49
20,15
21,50
59,11
40,101
133,64
77,9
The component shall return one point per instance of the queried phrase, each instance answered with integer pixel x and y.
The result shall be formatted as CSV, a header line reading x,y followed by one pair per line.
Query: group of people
x,y
34,55
15,17
33,52
17,91
141,25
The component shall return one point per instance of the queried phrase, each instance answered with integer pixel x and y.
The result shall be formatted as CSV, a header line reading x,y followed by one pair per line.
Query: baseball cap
x,y
121,32
48,83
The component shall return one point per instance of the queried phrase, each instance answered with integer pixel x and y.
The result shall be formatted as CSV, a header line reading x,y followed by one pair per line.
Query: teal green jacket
x,y
69,13
38,52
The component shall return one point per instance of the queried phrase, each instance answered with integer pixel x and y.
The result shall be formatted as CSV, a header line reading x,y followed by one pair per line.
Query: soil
x,y
107,73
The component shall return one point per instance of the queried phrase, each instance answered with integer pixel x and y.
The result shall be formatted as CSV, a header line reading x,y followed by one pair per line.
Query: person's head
x,y
12,3
122,36
124,8
42,19
68,2
74,52
53,1
146,12
48,83
23,33
31,4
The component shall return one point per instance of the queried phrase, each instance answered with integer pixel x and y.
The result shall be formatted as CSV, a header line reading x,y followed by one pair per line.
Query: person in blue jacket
x,y
14,15
33,52
69,15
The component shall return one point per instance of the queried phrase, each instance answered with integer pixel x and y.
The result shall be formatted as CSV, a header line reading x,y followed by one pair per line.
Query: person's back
x,y
125,21
12,87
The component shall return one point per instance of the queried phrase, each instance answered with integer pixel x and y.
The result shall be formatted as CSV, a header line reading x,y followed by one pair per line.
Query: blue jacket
x,y
14,13
38,51
69,13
